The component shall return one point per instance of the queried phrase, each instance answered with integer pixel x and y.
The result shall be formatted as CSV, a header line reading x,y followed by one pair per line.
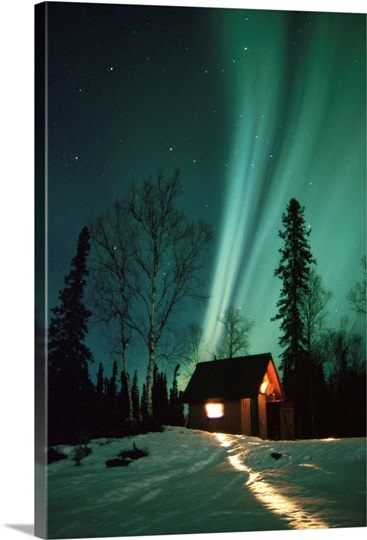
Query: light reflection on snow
x,y
268,496
223,439
312,466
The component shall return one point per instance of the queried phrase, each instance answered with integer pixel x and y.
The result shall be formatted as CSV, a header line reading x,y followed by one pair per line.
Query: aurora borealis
x,y
299,128
254,107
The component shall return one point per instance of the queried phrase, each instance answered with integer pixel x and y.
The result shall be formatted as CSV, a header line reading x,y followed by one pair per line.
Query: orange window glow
x,y
214,410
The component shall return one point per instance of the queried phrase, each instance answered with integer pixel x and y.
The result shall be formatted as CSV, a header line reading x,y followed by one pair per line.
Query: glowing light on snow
x,y
282,505
270,497
223,439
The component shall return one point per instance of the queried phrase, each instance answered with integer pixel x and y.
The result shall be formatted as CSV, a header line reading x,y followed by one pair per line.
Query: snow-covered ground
x,y
196,482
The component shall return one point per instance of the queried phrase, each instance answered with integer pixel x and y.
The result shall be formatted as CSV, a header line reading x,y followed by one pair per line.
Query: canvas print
x,y
200,270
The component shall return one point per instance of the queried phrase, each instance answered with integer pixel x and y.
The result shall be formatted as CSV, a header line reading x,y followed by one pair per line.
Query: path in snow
x,y
316,484
195,482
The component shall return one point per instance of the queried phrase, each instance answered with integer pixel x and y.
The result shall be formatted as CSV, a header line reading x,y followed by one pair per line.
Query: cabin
x,y
241,396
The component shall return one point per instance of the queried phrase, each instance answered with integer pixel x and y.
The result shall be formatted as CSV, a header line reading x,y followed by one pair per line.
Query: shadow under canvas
x,y
26,529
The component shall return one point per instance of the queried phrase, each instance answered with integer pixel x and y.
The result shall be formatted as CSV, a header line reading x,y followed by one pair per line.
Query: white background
x,y
16,252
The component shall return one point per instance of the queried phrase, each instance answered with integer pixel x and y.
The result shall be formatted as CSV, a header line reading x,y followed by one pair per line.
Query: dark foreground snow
x,y
197,482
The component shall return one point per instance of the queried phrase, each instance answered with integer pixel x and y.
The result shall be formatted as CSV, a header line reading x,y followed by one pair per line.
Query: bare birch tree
x,y
314,309
235,340
357,295
169,254
193,349
112,265
314,314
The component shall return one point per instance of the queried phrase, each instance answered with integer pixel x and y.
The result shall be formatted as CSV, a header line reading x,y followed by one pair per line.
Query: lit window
x,y
263,387
266,387
214,410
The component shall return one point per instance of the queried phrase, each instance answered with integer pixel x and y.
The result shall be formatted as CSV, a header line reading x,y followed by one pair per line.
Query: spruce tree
x,y
144,403
135,397
124,411
70,388
293,270
111,415
100,379
100,401
160,397
112,386
176,414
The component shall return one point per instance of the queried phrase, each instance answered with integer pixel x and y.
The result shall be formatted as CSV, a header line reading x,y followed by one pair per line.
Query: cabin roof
x,y
232,378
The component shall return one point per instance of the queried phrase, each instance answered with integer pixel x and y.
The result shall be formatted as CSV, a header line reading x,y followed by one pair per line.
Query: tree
x,y
100,379
144,403
357,295
314,311
68,356
112,400
112,385
135,397
314,315
346,363
112,274
168,251
192,349
294,271
160,397
100,405
176,414
125,402
236,330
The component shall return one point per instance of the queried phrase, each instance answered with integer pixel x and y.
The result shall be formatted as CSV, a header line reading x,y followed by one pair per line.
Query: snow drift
x,y
195,482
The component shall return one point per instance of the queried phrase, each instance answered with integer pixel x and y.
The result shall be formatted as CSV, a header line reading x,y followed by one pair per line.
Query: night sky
x,y
254,108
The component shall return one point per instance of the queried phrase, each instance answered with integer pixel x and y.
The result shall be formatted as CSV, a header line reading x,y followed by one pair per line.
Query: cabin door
x,y
286,421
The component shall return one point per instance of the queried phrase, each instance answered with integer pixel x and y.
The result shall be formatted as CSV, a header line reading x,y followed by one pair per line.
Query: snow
x,y
198,482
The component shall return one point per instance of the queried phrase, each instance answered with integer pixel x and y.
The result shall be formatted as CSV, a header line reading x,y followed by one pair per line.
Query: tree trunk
x,y
128,385
150,376
152,339
124,342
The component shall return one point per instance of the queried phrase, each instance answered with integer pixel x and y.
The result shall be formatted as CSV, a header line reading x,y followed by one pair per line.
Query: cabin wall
x,y
253,417
242,417
262,416
246,416
229,423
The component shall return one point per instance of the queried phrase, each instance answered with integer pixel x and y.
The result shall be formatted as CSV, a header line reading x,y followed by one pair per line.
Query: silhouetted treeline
x,y
104,409
323,370
77,407
110,414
